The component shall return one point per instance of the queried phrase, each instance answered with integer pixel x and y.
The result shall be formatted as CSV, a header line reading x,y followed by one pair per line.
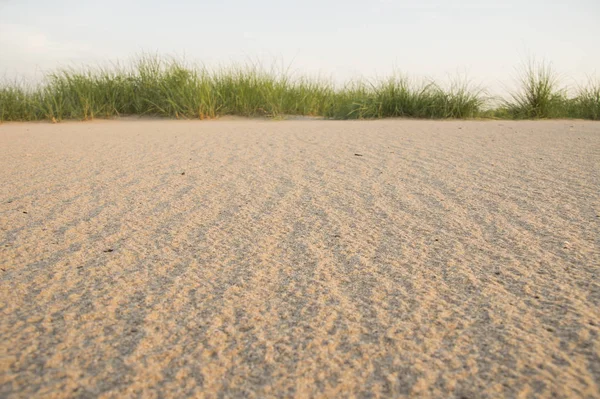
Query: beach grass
x,y
586,105
164,87
539,94
399,97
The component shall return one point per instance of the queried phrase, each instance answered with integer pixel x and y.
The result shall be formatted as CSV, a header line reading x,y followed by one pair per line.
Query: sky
x,y
481,40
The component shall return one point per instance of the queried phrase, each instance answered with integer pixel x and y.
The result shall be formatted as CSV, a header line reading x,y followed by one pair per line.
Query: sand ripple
x,y
267,259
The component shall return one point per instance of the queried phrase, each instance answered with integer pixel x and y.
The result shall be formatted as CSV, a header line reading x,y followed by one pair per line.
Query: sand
x,y
300,259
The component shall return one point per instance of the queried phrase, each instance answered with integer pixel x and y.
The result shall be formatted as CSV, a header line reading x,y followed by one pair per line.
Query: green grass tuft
x,y
397,97
539,94
586,105
155,86
169,88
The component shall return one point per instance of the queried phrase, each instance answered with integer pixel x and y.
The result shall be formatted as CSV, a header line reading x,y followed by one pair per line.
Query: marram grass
x,y
540,95
168,88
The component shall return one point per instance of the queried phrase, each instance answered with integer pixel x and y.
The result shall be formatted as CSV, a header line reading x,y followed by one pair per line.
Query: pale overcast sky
x,y
484,39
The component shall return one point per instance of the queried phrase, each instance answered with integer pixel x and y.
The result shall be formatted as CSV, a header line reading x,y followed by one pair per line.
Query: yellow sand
x,y
300,259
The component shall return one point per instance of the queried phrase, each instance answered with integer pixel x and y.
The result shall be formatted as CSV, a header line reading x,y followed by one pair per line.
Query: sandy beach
x,y
254,259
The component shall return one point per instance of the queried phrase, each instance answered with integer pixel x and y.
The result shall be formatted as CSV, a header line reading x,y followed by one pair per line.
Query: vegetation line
x,y
154,86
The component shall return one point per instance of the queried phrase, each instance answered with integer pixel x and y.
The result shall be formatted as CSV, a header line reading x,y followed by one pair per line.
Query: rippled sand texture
x,y
300,259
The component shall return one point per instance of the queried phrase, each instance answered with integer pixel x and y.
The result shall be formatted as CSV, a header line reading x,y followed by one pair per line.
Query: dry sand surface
x,y
300,259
